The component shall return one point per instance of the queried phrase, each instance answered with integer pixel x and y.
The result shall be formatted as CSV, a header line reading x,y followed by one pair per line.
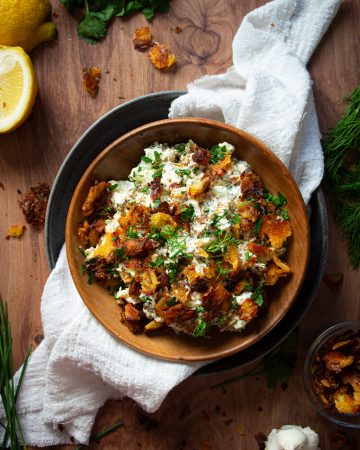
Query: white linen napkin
x,y
267,92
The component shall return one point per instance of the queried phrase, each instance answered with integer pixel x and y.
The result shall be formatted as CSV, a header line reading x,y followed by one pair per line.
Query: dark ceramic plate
x,y
139,112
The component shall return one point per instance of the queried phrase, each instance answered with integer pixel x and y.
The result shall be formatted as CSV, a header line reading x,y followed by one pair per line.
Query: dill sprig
x,y
342,168
13,436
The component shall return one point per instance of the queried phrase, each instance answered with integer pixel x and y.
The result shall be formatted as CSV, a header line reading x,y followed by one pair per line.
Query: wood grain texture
x,y
192,416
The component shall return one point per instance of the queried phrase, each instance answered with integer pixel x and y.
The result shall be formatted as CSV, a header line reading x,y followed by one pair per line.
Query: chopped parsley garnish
x,y
145,299
113,186
235,219
247,256
107,210
145,190
181,148
222,270
277,200
188,213
200,328
91,278
183,172
83,269
221,244
200,309
257,296
132,233
172,301
218,153
257,226
284,214
159,261
156,203
157,173
146,159
119,254
217,217
172,271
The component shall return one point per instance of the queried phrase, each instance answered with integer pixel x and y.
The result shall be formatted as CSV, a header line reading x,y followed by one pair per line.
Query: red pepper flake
x,y
333,280
33,204
91,80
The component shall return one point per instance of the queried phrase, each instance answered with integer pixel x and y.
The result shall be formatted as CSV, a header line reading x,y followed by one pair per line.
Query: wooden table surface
x,y
192,416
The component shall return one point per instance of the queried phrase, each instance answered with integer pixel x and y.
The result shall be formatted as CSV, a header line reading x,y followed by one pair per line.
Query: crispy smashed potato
x,y
142,38
249,310
91,80
161,57
275,229
94,194
33,204
16,231
336,373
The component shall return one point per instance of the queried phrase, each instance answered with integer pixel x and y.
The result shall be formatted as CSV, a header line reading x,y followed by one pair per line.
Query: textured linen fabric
x,y
267,92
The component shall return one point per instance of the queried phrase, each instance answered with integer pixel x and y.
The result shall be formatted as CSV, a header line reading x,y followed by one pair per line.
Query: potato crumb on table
x,y
15,231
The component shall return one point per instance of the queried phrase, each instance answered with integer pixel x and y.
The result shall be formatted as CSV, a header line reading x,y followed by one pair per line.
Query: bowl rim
x,y
220,125
321,339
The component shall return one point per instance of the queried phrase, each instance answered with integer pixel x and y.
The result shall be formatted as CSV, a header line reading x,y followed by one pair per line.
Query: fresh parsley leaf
x,y
284,214
235,219
70,4
113,186
145,299
119,255
257,296
92,27
257,226
172,301
156,203
181,148
91,278
217,152
146,159
188,213
145,190
132,233
172,271
221,244
159,261
277,200
83,269
200,328
157,173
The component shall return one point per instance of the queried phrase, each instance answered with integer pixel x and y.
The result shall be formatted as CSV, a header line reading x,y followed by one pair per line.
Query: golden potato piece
x,y
275,229
152,327
159,220
345,403
248,310
222,166
142,38
337,361
161,57
198,187
94,194
149,282
232,257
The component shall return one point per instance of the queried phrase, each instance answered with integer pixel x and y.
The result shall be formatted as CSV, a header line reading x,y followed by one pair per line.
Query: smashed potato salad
x,y
189,241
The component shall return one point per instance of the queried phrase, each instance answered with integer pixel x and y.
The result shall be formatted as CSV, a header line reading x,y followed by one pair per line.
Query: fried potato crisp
x,y
142,38
91,80
336,373
161,57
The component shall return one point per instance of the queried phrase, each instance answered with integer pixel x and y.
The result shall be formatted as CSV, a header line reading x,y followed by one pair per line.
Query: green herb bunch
x,y
342,168
13,436
98,13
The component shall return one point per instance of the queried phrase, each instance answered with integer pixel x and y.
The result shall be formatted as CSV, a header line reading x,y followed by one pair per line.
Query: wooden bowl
x,y
116,161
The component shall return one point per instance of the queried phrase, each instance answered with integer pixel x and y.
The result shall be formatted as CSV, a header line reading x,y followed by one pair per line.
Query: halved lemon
x,y
18,87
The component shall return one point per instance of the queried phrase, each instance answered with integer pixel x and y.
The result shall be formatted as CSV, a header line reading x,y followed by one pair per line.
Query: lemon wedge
x,y
18,87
